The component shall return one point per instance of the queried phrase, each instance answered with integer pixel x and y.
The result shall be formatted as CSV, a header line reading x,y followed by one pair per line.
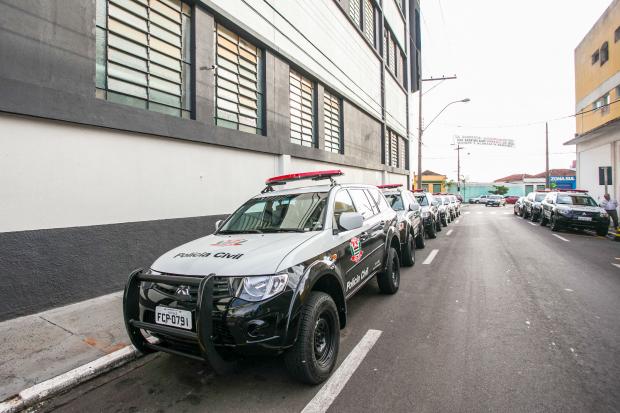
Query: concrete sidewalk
x,y
41,346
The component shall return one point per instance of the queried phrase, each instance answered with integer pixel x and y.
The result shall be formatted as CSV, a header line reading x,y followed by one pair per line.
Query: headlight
x,y
564,211
604,214
261,287
425,214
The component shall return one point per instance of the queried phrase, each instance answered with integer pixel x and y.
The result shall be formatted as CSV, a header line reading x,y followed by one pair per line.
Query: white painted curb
x,y
59,384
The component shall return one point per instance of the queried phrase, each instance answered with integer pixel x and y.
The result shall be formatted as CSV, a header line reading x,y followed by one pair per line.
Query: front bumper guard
x,y
204,322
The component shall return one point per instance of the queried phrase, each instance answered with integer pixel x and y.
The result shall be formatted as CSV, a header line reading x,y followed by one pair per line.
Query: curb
x,y
59,384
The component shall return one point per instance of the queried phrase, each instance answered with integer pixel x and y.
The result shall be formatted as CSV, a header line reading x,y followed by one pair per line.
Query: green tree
x,y
499,190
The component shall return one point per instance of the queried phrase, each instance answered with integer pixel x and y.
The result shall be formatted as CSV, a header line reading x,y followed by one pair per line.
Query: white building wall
x,y
57,175
395,106
589,161
395,21
331,47
351,174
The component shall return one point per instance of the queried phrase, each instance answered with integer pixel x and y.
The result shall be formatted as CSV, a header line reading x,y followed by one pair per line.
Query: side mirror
x,y
435,203
351,220
218,224
414,207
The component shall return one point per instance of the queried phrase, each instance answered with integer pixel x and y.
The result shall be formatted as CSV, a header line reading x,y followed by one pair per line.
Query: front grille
x,y
222,295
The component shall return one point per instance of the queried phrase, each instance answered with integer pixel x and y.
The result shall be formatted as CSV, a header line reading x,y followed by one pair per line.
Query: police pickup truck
x,y
274,278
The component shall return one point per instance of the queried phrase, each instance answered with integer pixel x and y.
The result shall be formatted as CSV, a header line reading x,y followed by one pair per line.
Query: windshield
x,y
279,213
580,200
539,197
395,201
422,200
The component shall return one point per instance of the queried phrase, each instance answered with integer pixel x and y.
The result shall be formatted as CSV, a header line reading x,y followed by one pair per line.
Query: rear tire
x,y
408,252
554,225
543,220
313,357
389,279
444,221
420,242
438,225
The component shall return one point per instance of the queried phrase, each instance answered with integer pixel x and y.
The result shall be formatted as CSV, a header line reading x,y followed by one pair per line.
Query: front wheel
x,y
555,225
444,221
543,220
420,243
408,252
313,357
432,233
438,225
602,231
389,279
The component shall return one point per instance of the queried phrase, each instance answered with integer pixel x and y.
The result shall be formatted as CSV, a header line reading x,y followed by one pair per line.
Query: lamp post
x,y
421,131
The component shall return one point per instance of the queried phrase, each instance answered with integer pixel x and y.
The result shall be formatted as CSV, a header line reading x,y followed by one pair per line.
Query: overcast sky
x,y
515,61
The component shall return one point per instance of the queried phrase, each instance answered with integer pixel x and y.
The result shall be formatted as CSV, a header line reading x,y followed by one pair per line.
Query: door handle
x,y
364,236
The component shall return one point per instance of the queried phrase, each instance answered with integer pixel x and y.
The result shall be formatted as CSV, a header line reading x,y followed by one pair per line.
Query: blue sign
x,y
564,182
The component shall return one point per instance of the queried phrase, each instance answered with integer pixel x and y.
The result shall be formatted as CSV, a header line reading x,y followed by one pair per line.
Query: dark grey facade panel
x,y
47,268
47,49
415,46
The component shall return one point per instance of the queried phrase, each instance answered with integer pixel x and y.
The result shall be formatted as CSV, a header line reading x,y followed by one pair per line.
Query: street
x,y
504,316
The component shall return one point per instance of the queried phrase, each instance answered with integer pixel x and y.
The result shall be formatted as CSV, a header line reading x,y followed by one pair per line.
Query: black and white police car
x,y
563,209
430,212
408,212
274,278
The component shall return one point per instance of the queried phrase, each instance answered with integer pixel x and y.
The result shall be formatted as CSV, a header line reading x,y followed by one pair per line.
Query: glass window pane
x,y
124,73
223,114
127,31
164,85
174,4
126,88
226,123
165,60
102,14
187,86
171,38
165,48
166,23
163,9
126,59
126,100
127,46
127,17
100,60
133,7
165,98
165,73
164,109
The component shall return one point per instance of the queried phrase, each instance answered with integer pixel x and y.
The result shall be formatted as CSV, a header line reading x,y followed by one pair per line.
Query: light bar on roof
x,y
315,176
389,186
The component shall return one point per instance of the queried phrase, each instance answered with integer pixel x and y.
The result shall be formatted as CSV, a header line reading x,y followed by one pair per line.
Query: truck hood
x,y
575,208
238,254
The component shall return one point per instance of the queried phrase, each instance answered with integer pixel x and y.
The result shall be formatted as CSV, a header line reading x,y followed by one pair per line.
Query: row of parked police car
x,y
563,209
275,276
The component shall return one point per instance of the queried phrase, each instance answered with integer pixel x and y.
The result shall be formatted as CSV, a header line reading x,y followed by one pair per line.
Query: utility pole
x,y
458,167
420,128
547,183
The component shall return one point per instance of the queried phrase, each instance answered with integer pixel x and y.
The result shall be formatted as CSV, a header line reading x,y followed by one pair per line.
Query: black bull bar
x,y
204,322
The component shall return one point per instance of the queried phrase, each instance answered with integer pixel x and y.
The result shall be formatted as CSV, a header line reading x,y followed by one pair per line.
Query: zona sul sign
x,y
564,182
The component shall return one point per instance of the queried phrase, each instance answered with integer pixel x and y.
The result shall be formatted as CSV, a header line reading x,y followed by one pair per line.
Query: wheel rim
x,y
395,272
323,339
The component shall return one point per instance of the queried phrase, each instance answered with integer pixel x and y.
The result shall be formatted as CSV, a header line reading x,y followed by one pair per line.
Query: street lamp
x,y
421,131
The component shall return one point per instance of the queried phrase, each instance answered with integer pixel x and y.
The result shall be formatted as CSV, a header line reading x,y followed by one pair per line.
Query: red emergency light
x,y
389,186
315,176
418,190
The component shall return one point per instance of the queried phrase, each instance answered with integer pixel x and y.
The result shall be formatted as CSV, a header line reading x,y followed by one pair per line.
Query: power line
x,y
534,123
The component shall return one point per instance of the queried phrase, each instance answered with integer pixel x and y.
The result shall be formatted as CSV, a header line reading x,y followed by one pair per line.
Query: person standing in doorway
x,y
611,207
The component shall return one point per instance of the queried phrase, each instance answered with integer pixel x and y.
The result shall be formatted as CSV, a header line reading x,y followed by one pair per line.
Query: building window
x,y
331,115
363,13
395,150
617,34
369,21
302,109
355,11
604,53
394,57
595,57
143,56
238,83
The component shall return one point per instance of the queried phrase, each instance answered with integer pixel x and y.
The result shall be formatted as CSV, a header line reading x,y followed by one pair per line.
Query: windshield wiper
x,y
246,231
283,230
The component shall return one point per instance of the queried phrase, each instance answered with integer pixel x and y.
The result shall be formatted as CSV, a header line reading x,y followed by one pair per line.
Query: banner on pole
x,y
481,140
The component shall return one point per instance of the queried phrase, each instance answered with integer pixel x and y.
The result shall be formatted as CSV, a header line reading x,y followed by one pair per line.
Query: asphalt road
x,y
506,317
